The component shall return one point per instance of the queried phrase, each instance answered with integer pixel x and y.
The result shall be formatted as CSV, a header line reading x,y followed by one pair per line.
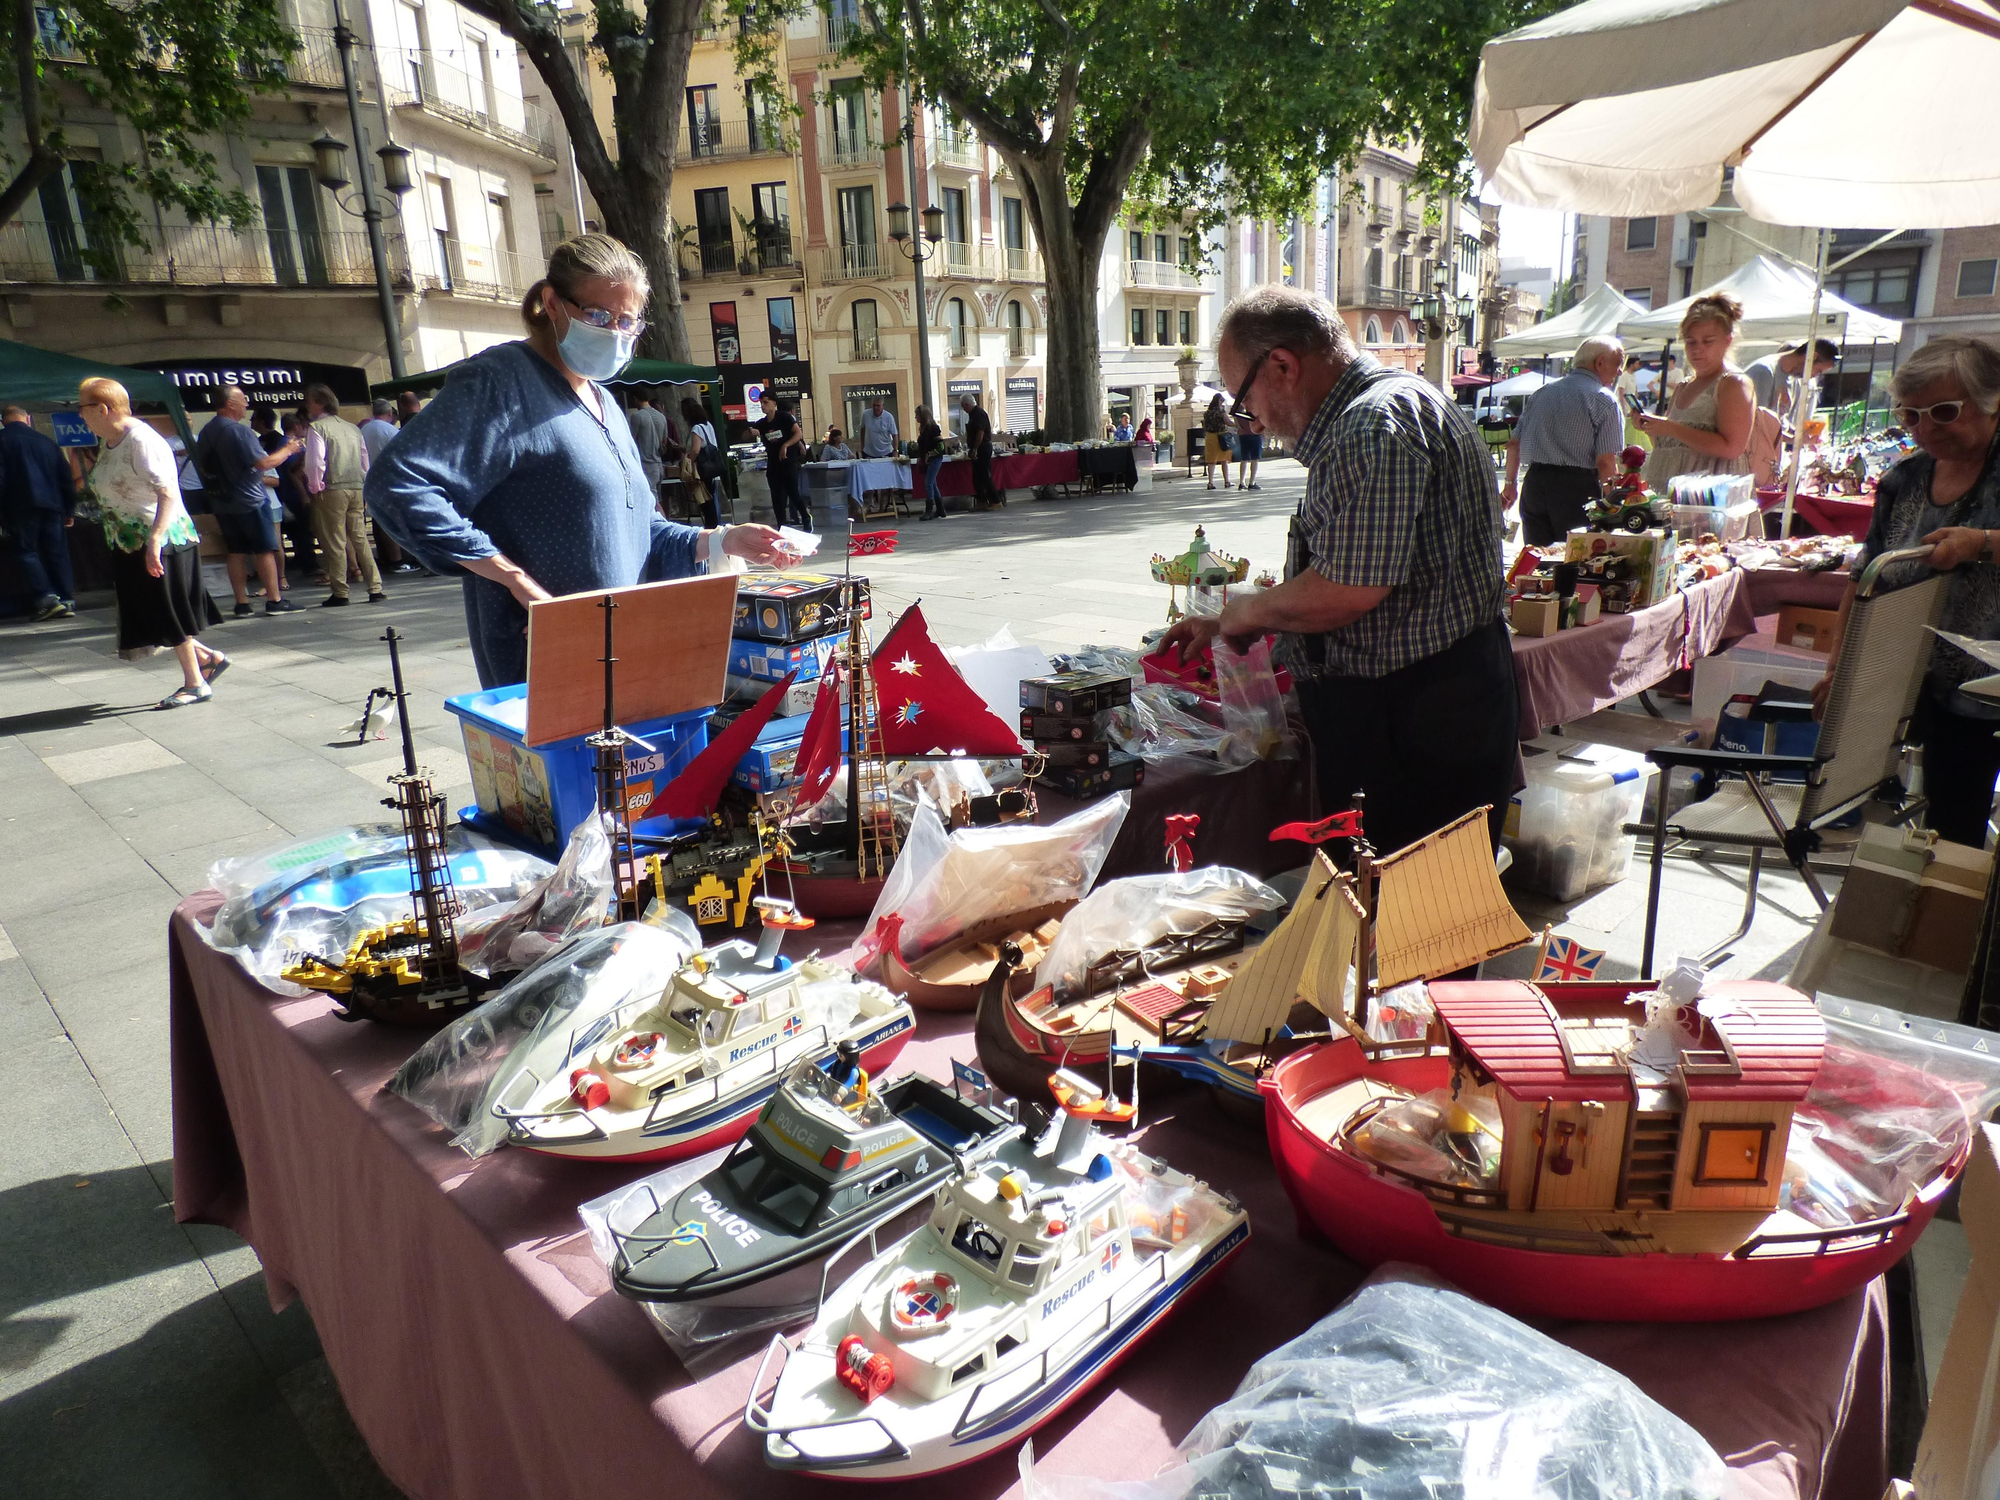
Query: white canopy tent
x,y
1525,384
1598,314
1635,107
1778,308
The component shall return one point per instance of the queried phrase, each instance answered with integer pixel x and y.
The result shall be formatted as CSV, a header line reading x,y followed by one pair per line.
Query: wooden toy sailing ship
x,y
950,976
903,701
405,972
1040,1267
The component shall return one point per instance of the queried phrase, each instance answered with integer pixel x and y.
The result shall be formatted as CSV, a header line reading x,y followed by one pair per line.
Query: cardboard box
x,y
1075,695
1075,752
1950,895
1878,900
1539,615
1079,782
1652,554
796,699
1127,771
1961,1435
772,759
1046,729
771,660
1805,629
794,607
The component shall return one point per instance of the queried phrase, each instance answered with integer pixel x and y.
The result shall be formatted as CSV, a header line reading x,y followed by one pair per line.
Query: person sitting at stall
x,y
1390,615
1145,432
1122,432
1712,412
522,473
1946,496
834,449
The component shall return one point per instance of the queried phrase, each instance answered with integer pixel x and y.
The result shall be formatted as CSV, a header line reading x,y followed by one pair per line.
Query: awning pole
x,y
1799,400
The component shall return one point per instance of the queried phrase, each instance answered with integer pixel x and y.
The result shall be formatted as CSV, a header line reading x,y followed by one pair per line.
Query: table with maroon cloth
x,y
484,1354
1013,471
1771,589
1570,674
1827,514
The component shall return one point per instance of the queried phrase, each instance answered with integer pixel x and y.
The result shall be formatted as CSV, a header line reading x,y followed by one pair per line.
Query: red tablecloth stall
x,y
1014,471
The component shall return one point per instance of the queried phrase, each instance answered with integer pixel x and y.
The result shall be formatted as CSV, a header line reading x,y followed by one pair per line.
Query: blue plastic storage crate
x,y
533,797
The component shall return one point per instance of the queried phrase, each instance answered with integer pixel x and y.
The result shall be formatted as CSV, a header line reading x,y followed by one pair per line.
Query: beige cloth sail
x,y
1331,961
1439,905
1267,986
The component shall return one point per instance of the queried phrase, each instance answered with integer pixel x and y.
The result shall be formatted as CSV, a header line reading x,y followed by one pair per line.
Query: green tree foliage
x,y
1188,106
175,73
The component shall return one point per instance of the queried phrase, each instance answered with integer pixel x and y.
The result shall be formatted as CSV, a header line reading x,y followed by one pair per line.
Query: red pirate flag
x,y
925,705
1342,825
692,794
819,747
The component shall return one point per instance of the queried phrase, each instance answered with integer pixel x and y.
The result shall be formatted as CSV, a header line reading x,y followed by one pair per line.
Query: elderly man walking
x,y
37,505
1570,433
336,465
228,453
1390,611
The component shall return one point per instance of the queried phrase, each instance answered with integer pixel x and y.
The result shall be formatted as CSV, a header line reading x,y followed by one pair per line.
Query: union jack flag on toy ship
x,y
1564,960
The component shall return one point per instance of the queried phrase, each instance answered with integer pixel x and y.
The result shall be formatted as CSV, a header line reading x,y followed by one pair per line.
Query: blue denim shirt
x,y
508,460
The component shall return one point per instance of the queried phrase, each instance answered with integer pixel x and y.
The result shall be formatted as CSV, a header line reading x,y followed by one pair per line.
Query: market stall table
x,y
1115,466
872,481
1572,673
483,1354
1771,589
1012,471
1829,515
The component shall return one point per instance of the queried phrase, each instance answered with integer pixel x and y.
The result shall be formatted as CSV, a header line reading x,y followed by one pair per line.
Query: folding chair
x,y
1883,657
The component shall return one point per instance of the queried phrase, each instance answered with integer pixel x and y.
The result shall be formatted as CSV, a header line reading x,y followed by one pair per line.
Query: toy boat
x,y
690,1070
1638,1168
1037,1271
831,1157
950,977
1431,908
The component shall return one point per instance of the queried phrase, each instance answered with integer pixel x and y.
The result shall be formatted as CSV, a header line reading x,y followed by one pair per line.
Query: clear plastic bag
x,y
942,883
1253,709
317,895
1413,1389
1417,1135
1120,659
1163,722
576,895
537,1021
1139,910
1402,1014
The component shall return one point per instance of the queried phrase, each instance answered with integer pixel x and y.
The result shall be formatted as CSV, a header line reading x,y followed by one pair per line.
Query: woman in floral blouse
x,y
155,556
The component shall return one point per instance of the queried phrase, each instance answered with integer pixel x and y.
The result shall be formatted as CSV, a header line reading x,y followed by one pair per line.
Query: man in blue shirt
x,y
238,480
878,432
1570,433
37,502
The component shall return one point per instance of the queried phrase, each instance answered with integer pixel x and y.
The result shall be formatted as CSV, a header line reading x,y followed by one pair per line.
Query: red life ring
x,y
923,1304
636,1050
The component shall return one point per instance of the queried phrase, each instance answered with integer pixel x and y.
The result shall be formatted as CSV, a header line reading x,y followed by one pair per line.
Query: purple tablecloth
x,y
1771,589
1572,673
485,1356
1016,471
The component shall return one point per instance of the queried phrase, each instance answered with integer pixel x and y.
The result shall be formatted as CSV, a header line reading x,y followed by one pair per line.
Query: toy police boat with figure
x,y
831,1157
1038,1270
689,1071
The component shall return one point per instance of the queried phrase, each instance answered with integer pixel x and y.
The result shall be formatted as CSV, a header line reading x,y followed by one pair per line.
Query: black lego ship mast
x,y
612,790
435,904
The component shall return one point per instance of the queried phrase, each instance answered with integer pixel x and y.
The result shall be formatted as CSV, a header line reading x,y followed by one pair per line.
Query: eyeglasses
x,y
1236,406
598,317
1943,413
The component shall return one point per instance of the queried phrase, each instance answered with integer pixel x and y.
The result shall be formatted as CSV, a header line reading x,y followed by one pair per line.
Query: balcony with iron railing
x,y
958,342
722,140
1160,273
848,146
1385,296
853,263
317,62
203,255
417,80
1020,341
859,348
957,259
1023,264
773,253
958,148
481,271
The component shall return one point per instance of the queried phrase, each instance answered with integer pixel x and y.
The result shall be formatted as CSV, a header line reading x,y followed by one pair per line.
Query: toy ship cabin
x,y
1609,1110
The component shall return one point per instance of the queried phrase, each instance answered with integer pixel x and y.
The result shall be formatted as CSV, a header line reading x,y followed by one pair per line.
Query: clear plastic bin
x,y
1567,827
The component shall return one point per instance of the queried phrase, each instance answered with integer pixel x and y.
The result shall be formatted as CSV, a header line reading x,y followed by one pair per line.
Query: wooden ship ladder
x,y
871,822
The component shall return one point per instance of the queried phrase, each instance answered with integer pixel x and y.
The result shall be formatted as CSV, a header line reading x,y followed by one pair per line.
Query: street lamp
x,y
899,230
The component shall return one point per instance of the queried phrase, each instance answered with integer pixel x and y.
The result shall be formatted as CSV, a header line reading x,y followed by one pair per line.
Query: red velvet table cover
x,y
1014,471
1771,589
483,1354
1829,515
1573,673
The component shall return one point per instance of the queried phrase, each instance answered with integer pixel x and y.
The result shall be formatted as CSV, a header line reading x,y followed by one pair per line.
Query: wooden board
x,y
672,644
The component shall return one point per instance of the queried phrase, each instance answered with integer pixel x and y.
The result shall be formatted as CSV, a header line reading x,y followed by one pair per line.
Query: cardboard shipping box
x,y
1806,629
1959,1457
1877,903
1950,895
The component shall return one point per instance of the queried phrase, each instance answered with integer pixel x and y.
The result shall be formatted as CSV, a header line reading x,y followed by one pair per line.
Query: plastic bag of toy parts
x,y
537,1020
1122,660
1139,910
243,873
1402,1014
322,906
575,895
1163,722
1411,1388
942,884
1424,1135
1162,1210
1253,709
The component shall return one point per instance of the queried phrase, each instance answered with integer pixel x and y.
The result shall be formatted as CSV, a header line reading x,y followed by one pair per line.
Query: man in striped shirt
x,y
1390,615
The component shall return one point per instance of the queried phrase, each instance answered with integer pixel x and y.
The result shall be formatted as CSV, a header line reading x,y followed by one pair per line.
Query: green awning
x,y
45,382
639,372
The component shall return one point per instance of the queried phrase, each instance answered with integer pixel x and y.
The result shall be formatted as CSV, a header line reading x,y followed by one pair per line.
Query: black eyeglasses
x,y
1944,413
598,317
1236,406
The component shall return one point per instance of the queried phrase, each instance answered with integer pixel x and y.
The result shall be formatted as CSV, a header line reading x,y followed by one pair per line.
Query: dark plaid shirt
x,y
1400,493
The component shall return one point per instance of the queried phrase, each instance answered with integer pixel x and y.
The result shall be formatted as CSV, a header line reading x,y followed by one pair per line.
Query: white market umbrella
x,y
1879,112
1595,316
1517,385
1778,308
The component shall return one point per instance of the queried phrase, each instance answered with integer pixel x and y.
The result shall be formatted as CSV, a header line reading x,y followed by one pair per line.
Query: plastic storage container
x,y
534,797
1567,826
1745,668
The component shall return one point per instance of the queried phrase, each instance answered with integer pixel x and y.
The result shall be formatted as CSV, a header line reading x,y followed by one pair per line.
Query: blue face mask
x,y
595,353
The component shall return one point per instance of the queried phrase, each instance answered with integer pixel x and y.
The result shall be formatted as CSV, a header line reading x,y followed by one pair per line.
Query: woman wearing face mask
x,y
522,475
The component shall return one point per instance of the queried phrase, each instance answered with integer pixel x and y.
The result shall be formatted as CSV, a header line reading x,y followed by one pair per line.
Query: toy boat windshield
x,y
831,1157
1037,1269
689,1071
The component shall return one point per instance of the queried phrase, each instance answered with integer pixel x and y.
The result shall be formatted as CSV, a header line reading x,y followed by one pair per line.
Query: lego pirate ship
x,y
405,972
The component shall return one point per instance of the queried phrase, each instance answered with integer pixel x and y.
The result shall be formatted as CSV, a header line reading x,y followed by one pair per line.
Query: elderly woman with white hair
x,y
1947,495
1570,433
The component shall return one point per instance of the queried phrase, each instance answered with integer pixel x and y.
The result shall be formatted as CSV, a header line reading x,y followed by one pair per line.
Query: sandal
x,y
214,667
181,697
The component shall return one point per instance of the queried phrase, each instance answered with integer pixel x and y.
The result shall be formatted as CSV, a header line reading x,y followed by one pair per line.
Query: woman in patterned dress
x,y
155,556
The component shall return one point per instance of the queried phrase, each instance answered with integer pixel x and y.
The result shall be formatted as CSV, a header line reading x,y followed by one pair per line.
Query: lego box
x,y
771,762
1075,752
770,660
1079,782
1051,728
1652,554
796,699
1075,695
794,607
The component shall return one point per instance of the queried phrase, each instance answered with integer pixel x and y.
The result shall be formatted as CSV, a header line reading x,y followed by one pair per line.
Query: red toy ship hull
x,y
827,896
1373,1217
